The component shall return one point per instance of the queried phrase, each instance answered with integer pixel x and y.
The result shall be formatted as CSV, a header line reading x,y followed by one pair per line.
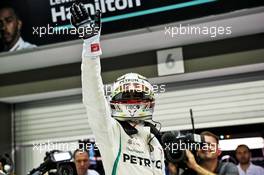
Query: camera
x,y
175,144
56,163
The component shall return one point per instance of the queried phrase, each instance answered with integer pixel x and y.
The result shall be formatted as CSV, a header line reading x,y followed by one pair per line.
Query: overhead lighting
x,y
251,142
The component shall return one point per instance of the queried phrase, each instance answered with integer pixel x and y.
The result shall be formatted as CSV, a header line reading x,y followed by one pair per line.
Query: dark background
x,y
37,13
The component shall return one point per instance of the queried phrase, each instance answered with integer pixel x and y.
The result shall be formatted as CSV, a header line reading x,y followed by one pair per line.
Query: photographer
x,y
6,164
82,163
208,163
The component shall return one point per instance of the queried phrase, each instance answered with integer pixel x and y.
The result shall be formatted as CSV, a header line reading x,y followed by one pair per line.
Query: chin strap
x,y
130,130
154,130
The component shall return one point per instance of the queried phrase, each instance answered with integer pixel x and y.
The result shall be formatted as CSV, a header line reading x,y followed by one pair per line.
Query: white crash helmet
x,y
132,98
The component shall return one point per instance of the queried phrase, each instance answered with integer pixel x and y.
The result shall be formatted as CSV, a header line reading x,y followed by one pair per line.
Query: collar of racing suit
x,y
129,130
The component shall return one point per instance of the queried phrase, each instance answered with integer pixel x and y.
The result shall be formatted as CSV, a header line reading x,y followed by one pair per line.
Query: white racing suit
x,y
121,154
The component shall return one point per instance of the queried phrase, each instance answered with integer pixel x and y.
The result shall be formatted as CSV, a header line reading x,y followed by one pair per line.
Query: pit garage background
x,y
222,82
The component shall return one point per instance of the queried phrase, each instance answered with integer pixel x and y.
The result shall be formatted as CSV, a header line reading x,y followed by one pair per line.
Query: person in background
x,y
82,163
245,166
1,169
10,27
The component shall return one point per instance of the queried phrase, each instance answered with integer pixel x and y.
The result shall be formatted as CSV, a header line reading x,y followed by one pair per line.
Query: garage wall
x,y
223,101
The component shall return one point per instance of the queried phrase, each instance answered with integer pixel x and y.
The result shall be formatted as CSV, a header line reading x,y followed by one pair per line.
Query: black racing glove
x,y
86,25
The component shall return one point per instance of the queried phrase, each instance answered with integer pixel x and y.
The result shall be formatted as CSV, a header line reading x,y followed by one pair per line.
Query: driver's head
x,y
211,151
132,98
10,25
81,160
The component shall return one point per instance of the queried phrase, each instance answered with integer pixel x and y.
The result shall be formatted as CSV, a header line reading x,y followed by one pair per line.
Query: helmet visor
x,y
132,95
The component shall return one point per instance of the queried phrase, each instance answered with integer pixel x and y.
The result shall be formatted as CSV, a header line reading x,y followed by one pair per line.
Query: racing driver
x,y
126,141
